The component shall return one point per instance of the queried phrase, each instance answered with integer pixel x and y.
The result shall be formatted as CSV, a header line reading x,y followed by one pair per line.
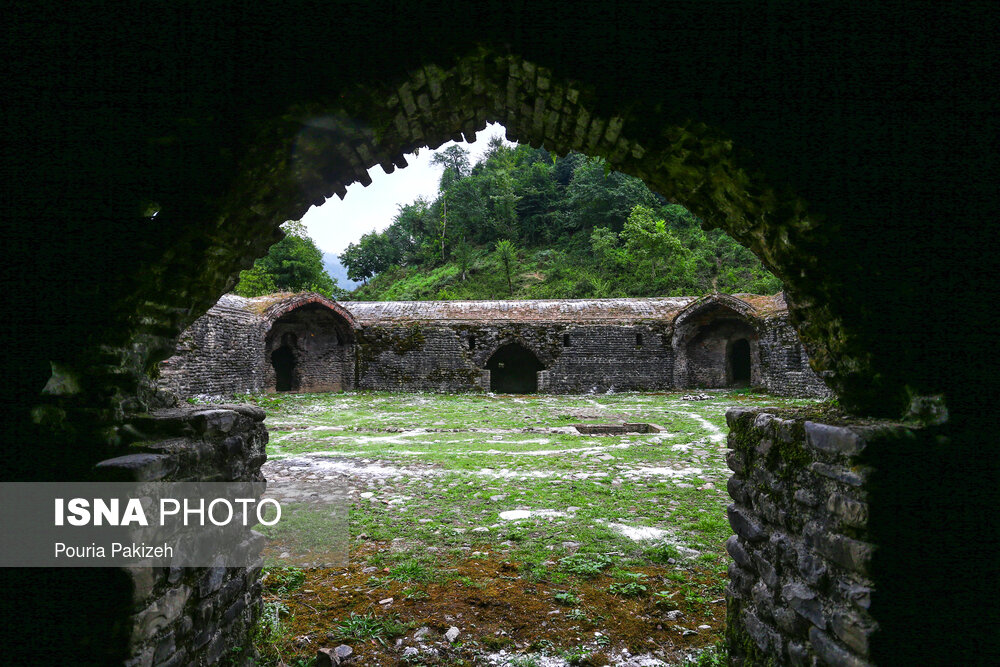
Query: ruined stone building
x,y
305,342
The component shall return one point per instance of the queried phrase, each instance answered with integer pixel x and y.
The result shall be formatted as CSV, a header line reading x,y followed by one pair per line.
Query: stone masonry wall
x,y
221,354
602,358
810,559
438,358
784,362
417,357
227,351
188,616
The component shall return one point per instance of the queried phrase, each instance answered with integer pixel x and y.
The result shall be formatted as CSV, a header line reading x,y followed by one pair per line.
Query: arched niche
x,y
309,345
715,344
514,369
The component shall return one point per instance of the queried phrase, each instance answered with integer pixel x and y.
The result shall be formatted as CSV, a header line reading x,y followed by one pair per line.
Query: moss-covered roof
x,y
617,311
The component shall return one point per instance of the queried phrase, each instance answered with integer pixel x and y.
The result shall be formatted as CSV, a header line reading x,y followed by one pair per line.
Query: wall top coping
x,y
577,311
624,311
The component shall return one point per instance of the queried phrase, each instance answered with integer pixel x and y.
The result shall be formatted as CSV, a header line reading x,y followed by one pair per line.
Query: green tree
x,y
604,243
455,161
255,281
648,238
507,252
293,264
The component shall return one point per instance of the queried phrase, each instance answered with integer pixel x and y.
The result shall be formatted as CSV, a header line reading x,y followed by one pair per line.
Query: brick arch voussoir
x,y
286,306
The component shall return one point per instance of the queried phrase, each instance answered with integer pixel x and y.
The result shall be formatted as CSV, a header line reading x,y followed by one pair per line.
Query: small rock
x,y
421,634
369,570
367,494
496,499
674,615
385,601
704,627
452,634
409,652
344,651
481,529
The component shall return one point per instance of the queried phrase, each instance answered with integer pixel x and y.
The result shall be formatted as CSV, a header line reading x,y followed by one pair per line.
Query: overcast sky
x,y
337,223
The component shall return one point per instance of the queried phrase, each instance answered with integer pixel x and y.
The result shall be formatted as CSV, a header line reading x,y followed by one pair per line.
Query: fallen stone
x,y
452,634
385,601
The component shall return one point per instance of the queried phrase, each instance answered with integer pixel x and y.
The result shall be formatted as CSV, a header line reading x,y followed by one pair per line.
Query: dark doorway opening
x,y
514,370
739,362
284,366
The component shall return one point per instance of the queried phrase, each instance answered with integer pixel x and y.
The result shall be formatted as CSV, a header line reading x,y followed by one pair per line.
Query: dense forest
x,y
523,223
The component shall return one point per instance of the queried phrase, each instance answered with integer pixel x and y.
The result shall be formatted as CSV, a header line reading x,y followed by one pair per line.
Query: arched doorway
x,y
514,370
283,361
310,345
738,362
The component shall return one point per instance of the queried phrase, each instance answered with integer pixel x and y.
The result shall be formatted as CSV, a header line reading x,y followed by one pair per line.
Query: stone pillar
x,y
186,616
822,550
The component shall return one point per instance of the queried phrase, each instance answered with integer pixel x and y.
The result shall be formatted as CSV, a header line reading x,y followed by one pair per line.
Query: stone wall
x,y
784,363
622,345
184,616
221,354
812,561
417,357
601,358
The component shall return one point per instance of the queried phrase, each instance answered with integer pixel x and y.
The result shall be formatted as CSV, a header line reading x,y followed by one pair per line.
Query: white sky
x,y
338,223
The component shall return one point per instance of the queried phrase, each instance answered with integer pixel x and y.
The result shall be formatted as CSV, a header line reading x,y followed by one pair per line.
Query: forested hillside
x,y
522,223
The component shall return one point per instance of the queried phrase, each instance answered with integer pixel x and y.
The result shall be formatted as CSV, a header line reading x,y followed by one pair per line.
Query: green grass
x,y
452,463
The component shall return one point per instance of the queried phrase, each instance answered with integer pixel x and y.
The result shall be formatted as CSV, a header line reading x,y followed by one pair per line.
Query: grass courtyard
x,y
493,516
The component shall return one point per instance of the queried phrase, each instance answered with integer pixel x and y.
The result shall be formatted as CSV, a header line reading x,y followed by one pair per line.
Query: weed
x,y
543,646
270,632
585,565
567,598
575,656
716,655
630,589
410,594
411,571
360,627
282,580
665,598
524,661
662,553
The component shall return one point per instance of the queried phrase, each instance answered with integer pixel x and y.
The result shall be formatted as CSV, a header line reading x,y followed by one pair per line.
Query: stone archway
x,y
715,344
309,345
514,370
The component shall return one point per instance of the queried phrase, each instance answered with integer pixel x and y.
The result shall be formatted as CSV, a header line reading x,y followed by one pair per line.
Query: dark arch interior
x,y
283,361
514,370
311,350
739,362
